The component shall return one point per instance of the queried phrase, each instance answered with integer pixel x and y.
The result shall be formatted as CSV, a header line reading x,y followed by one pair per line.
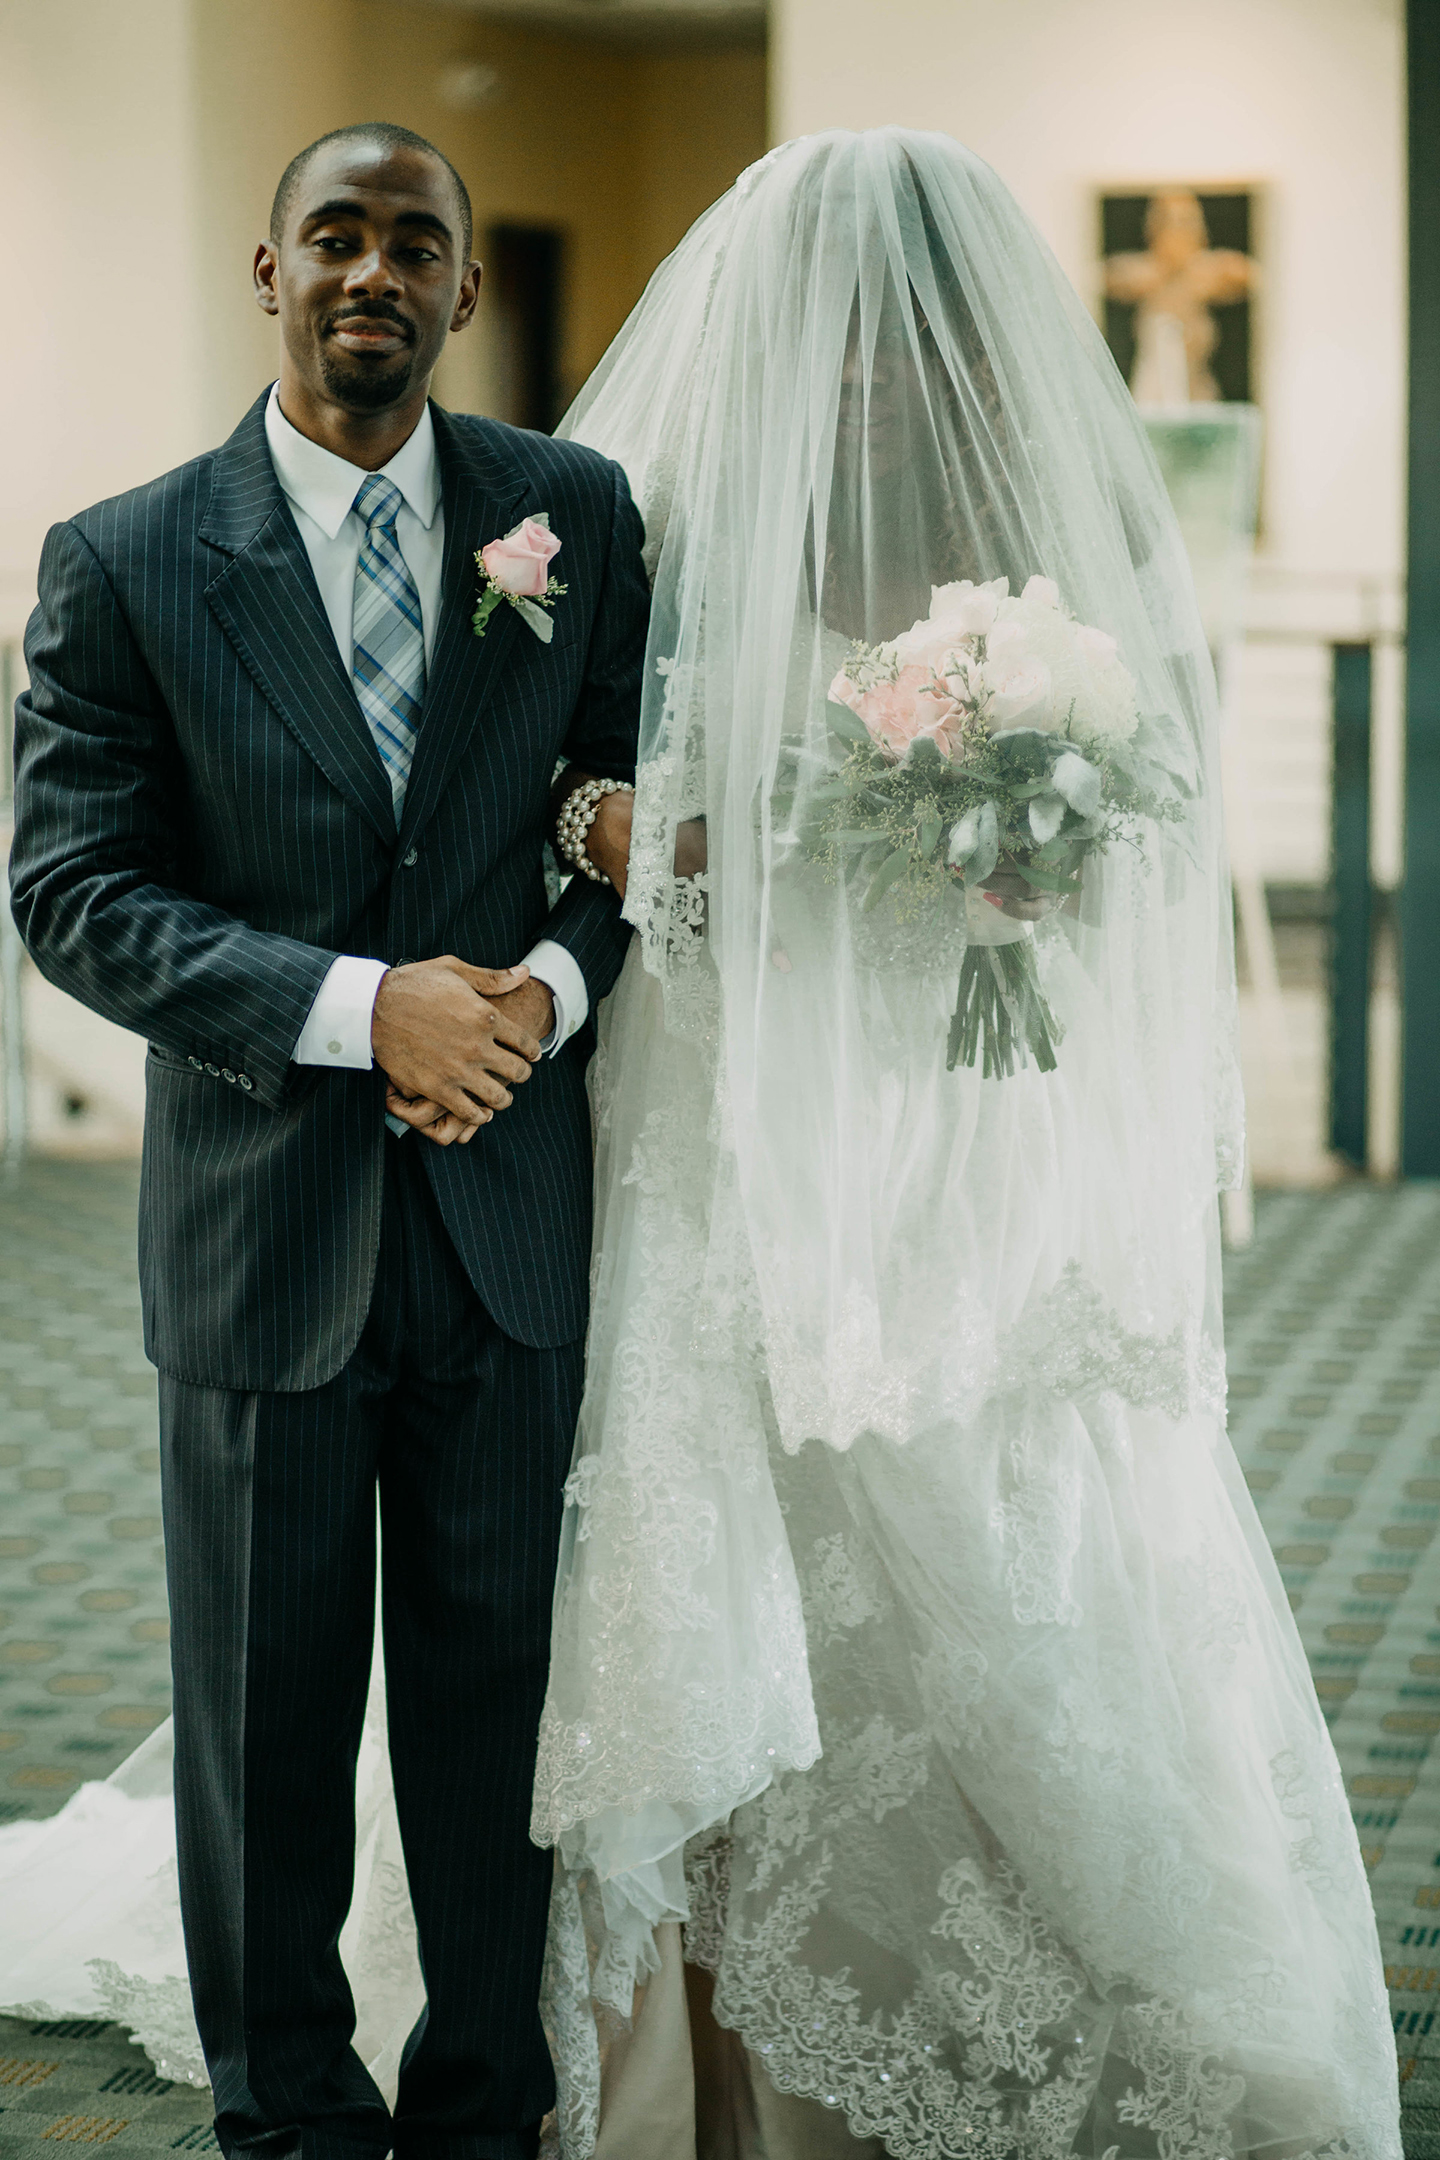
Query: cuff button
x,y
198,1064
334,1046
247,1083
227,1074
214,1071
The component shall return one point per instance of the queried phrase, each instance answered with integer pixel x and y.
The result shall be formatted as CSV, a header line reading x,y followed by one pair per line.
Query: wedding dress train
x,y
91,1906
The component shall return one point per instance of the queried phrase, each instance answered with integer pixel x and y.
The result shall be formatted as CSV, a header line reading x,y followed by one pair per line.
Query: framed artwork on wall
x,y
1180,276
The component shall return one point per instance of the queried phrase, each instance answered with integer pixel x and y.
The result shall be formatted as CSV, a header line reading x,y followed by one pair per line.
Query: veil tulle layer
x,y
915,1641
862,377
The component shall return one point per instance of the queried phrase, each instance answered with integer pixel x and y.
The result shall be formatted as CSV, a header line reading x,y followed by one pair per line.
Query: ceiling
x,y
632,22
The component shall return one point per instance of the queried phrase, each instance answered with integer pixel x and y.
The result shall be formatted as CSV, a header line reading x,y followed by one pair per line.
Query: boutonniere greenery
x,y
517,569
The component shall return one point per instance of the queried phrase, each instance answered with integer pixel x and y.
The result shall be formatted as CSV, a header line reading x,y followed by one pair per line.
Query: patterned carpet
x,y
1334,1318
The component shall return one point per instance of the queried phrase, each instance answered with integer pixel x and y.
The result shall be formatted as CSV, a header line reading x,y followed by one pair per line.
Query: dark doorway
x,y
522,272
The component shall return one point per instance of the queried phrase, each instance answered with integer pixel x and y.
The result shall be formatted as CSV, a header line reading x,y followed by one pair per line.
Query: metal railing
x,y
1352,909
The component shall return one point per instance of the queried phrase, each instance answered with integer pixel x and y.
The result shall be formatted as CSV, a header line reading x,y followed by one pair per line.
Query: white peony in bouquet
x,y
1000,733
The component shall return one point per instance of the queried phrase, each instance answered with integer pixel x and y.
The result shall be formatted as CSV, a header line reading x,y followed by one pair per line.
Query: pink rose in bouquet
x,y
899,713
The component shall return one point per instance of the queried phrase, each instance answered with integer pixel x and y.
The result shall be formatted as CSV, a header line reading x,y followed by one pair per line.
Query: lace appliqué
x,y
158,2016
842,1590
669,912
670,1506
1069,1342
1041,1524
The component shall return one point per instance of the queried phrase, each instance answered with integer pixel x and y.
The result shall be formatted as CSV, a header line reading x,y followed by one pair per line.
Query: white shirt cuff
x,y
559,970
337,1031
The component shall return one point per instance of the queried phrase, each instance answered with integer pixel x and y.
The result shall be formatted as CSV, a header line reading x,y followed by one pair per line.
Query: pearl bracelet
x,y
577,814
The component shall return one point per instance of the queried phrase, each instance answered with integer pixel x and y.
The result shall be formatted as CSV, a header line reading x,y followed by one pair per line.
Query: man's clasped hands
x,y
455,1041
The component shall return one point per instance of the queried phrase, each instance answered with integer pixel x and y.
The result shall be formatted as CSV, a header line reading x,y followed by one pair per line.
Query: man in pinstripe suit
x,y
279,810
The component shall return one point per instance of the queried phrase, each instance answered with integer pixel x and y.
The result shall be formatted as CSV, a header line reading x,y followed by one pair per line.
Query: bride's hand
x,y
608,841
1008,889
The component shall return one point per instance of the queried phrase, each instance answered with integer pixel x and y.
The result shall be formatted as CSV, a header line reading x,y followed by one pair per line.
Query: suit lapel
x,y
267,602
485,493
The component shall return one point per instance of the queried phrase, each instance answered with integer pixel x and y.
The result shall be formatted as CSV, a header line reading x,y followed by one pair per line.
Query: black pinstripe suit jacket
x,y
203,822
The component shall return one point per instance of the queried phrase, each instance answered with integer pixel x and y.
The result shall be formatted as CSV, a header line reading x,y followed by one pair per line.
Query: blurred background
x,y
1234,167
1247,193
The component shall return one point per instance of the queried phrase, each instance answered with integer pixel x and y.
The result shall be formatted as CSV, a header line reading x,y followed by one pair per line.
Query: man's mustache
x,y
373,311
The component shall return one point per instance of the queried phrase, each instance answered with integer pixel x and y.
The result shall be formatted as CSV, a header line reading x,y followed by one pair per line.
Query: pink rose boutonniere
x,y
517,569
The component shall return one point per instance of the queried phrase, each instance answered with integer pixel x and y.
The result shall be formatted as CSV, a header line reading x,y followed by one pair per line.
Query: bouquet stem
x,y
1000,1011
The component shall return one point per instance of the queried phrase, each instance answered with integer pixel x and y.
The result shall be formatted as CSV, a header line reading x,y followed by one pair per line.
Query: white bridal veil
x,y
915,1640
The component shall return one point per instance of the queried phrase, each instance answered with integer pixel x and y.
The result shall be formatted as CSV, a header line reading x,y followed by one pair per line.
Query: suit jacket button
x,y
196,1062
214,1071
247,1083
412,856
227,1074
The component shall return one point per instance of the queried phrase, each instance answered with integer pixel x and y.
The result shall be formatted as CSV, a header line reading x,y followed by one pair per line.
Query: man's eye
x,y
422,254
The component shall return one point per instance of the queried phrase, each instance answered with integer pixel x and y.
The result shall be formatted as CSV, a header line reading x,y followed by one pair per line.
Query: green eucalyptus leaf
x,y
1078,781
893,868
1048,880
1047,815
847,723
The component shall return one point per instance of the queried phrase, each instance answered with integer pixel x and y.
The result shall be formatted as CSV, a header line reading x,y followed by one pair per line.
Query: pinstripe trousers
x,y
269,1504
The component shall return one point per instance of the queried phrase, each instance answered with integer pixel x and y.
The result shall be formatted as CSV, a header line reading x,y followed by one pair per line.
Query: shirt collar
x,y
323,485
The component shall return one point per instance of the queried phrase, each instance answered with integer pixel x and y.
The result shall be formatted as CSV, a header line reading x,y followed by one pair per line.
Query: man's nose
x,y
372,275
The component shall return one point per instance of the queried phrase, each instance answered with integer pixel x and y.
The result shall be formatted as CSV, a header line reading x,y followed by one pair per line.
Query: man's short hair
x,y
393,138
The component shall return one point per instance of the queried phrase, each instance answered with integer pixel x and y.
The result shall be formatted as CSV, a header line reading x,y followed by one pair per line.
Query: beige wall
x,y
141,144
702,120
1301,97
98,372
267,77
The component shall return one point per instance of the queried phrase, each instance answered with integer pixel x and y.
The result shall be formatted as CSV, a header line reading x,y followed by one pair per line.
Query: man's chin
x,y
367,386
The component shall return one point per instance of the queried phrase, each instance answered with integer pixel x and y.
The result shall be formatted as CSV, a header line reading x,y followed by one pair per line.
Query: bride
x,y
930,1757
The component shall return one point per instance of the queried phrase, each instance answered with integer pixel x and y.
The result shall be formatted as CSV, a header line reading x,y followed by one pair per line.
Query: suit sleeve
x,y
603,737
95,867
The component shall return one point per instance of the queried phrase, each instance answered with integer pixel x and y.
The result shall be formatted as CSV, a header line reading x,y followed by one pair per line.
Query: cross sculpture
x,y
1174,285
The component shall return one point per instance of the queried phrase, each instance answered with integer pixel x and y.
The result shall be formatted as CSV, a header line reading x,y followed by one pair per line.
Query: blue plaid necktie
x,y
389,657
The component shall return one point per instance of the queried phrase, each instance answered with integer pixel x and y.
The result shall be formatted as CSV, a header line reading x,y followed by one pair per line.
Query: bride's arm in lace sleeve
x,y
608,841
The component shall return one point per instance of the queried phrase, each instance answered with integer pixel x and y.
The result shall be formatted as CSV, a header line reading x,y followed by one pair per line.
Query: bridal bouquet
x,y
998,733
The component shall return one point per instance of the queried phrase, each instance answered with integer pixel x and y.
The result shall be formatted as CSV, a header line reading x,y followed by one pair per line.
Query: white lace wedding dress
x,y
930,1756
917,1649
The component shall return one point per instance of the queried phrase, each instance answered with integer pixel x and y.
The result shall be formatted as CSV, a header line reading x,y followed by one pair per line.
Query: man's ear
x,y
267,267
466,301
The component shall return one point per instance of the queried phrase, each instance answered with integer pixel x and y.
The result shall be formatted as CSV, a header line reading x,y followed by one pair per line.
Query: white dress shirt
x,y
320,489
